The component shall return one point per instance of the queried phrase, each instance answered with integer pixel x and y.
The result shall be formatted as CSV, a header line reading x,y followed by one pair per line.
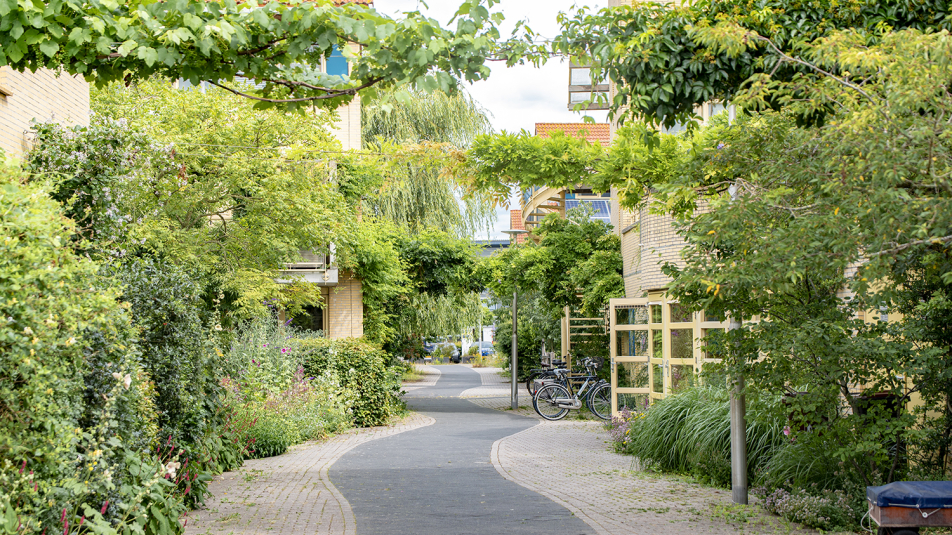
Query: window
x,y
311,319
337,63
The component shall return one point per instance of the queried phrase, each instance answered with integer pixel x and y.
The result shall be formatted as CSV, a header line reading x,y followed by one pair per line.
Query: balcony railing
x,y
316,268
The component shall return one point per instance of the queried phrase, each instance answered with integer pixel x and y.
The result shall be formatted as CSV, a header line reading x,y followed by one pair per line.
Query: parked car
x,y
447,348
486,348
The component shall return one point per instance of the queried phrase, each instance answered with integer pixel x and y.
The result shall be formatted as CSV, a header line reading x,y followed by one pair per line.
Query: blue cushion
x,y
921,494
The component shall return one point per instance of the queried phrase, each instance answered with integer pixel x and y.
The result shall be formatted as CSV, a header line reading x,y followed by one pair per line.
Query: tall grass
x,y
690,433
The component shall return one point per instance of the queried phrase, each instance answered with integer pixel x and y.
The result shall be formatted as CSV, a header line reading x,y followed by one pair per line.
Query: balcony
x,y
315,268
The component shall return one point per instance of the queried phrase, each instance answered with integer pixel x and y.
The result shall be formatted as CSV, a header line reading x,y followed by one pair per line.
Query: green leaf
x,y
49,48
150,55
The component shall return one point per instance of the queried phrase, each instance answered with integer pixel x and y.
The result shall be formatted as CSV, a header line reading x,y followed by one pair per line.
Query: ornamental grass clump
x,y
689,433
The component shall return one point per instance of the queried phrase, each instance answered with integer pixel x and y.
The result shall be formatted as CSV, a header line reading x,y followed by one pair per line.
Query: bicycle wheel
x,y
600,401
530,386
545,404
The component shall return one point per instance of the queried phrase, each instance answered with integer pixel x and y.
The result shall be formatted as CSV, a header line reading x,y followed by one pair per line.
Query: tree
x,y
230,192
576,264
663,66
860,203
279,45
414,117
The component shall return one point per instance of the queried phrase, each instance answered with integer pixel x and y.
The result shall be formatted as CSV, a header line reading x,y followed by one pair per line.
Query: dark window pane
x,y
632,374
631,315
312,319
680,313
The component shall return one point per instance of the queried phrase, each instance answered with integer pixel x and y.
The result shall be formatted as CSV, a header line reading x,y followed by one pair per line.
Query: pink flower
x,y
285,350
786,430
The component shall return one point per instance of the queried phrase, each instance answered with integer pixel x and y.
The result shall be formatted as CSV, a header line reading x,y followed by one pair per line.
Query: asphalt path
x,y
439,479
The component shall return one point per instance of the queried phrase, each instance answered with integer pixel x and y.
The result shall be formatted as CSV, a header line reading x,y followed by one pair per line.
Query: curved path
x,y
439,479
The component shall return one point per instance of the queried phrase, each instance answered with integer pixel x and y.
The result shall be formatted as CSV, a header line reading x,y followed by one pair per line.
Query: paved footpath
x,y
467,466
440,479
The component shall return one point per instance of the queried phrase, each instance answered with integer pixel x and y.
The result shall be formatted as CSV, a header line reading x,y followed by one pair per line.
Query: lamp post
x,y
738,419
514,362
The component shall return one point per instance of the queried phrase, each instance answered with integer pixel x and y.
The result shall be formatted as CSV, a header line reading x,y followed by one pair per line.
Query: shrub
x,y
64,343
311,408
176,351
362,368
827,510
265,355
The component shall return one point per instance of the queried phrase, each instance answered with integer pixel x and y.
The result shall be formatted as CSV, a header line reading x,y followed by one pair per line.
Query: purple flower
x,y
720,146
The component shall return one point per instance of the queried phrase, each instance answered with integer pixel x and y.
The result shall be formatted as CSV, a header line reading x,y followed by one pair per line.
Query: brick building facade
x,y
42,96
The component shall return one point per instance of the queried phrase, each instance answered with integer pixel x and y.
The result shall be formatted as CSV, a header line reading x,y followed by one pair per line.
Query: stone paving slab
x,y
431,376
571,462
493,384
291,493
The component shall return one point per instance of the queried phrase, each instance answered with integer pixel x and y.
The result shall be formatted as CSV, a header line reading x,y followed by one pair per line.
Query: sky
x,y
515,98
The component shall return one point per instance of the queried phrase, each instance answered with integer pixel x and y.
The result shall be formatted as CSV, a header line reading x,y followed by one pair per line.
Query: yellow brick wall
x,y
631,262
42,96
345,308
347,128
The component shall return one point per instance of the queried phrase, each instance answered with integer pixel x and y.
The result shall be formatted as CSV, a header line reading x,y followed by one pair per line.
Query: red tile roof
x,y
594,133
515,223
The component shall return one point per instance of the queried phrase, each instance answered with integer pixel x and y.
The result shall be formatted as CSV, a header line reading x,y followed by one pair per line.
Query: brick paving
x,y
290,493
493,385
571,462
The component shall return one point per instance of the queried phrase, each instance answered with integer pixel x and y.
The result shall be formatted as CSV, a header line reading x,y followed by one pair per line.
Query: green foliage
x,y
414,117
824,509
278,45
269,402
363,369
418,285
176,352
666,59
269,422
251,173
795,238
264,355
495,162
577,263
689,433
76,412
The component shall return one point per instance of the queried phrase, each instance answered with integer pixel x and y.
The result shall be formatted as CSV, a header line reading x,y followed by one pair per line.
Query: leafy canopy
x,y
277,44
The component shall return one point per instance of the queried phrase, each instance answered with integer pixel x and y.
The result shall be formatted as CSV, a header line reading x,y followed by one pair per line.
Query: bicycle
x,y
554,400
544,373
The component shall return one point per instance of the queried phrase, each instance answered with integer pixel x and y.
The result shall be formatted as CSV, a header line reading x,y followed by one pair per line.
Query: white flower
x,y
127,381
171,468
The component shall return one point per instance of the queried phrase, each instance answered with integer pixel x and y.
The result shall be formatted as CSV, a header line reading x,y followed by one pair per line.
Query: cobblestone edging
x,y
291,493
571,463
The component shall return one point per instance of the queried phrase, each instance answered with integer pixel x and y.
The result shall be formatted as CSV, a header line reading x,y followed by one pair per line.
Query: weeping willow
x,y
415,194
431,316
416,117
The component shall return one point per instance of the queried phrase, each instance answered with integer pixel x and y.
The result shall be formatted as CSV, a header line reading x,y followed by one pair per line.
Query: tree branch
x,y
329,95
